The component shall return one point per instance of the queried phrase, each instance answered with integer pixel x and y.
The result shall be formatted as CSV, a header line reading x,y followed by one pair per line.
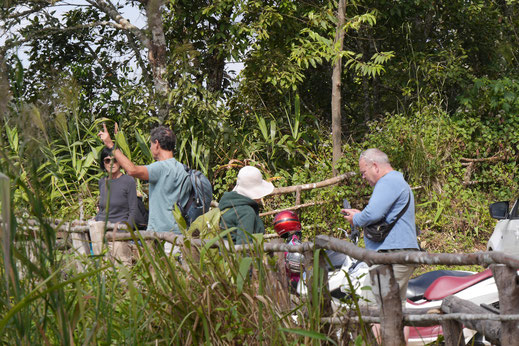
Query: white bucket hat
x,y
251,184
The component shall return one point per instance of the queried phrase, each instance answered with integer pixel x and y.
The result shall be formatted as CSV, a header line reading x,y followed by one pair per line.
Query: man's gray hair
x,y
374,155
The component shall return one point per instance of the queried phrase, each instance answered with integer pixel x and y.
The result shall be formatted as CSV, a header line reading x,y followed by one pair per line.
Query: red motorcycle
x,y
288,227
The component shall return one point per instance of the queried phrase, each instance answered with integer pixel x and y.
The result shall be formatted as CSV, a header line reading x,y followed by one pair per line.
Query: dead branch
x,y
424,320
486,159
304,205
122,22
324,183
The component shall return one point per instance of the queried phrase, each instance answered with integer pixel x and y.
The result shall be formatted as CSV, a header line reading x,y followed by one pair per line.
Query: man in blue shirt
x,y
165,176
390,195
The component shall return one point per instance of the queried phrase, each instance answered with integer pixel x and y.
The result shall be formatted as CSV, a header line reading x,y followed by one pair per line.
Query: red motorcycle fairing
x,y
448,285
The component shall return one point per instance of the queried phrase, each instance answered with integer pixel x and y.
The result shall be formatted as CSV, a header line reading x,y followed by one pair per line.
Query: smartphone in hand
x,y
345,205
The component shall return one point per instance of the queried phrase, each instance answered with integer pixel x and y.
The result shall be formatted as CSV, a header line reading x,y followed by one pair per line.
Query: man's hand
x,y
348,214
140,172
105,137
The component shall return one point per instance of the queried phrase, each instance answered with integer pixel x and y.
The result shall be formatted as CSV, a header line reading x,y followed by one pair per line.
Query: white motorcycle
x,y
425,291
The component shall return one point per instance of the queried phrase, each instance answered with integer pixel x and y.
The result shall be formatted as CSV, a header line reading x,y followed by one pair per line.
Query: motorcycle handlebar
x,y
354,234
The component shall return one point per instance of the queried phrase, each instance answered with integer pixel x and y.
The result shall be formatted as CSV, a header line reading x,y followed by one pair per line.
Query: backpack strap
x,y
402,211
187,178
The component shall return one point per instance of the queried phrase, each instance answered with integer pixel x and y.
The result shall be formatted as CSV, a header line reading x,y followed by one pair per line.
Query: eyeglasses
x,y
109,160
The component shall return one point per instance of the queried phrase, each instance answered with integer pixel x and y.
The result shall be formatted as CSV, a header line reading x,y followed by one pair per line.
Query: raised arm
x,y
140,172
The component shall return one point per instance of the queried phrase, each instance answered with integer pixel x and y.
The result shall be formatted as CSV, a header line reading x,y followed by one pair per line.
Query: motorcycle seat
x,y
448,285
418,285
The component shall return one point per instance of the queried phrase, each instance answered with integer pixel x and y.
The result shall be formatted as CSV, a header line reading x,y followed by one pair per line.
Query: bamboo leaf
x,y
263,127
120,139
272,130
245,264
211,242
143,145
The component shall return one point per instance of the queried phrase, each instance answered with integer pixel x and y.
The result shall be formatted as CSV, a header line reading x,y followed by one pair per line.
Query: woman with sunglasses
x,y
117,194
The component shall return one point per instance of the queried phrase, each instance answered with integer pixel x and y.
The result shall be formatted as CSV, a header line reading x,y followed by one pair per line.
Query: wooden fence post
x,y
327,298
97,235
80,243
309,268
281,270
508,289
453,333
490,329
387,293
298,195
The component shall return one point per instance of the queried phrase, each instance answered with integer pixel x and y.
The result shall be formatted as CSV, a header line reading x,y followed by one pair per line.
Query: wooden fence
x,y
497,328
455,313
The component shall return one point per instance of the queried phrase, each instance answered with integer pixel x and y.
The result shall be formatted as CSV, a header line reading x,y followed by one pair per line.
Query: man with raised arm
x,y
165,176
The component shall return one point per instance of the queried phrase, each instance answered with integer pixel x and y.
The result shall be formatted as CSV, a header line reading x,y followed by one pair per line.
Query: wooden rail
x,y
455,313
501,328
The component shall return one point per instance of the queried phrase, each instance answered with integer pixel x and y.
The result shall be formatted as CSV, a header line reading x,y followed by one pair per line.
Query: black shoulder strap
x,y
402,211
187,179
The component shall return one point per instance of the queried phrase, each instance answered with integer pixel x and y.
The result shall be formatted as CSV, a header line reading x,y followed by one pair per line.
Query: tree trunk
x,y
364,46
157,54
5,94
216,73
336,88
217,60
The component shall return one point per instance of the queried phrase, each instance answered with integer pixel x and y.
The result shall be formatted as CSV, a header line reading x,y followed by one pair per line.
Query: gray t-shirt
x,y
123,200
165,179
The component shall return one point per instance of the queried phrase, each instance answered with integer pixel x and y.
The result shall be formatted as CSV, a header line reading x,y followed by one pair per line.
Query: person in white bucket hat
x,y
250,183
241,206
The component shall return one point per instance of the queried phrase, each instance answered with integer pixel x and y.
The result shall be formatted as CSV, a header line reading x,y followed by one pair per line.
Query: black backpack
x,y
200,195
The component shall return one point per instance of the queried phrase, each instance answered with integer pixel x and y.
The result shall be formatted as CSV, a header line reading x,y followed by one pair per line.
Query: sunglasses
x,y
109,161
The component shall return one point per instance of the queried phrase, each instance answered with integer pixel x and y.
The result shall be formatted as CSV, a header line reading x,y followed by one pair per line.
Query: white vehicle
x,y
506,233
424,291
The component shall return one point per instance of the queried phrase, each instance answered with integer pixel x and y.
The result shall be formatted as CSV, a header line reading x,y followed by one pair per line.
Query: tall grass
x,y
55,296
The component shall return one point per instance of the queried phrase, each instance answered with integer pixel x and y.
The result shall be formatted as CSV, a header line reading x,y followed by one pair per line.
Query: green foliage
x,y
198,117
224,296
429,83
425,146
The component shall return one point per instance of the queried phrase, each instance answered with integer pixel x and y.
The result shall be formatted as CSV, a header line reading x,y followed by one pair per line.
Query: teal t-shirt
x,y
165,179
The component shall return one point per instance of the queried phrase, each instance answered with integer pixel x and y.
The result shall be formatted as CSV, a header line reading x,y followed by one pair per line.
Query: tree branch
x,y
140,62
324,183
122,23
486,159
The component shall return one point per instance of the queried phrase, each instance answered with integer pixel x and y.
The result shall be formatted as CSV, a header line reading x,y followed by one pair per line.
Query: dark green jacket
x,y
242,213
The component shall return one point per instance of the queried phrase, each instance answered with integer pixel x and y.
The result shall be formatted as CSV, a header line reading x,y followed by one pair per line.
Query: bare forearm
x,y
140,172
